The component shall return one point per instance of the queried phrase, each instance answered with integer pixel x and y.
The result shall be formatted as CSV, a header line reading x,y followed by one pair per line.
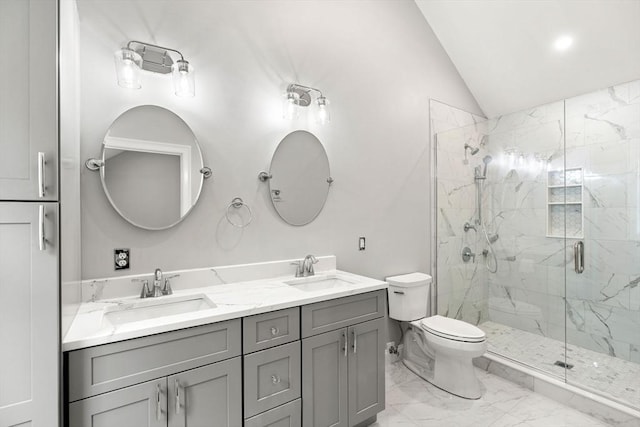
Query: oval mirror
x,y
151,167
300,178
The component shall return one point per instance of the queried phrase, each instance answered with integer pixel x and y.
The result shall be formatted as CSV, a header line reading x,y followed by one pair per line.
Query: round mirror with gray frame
x,y
152,167
299,178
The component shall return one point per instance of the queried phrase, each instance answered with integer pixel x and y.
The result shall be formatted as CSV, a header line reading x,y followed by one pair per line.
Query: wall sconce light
x,y
300,96
150,57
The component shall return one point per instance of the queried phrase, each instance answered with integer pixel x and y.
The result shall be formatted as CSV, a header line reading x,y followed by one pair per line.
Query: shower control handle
x,y
467,255
578,257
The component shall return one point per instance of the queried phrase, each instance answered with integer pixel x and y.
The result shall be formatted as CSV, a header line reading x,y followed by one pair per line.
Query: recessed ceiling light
x,y
563,43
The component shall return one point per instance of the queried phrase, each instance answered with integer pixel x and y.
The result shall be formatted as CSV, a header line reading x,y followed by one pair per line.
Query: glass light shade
x,y
324,116
183,78
128,67
290,106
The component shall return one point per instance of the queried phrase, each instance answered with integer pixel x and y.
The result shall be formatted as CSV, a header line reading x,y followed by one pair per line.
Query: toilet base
x,y
437,369
464,383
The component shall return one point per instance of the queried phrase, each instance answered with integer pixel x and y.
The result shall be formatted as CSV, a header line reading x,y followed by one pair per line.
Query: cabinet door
x,y
366,370
210,396
142,405
28,105
29,330
324,386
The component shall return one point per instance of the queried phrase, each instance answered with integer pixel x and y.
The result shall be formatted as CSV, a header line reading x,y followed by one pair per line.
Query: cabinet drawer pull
x,y
158,408
41,177
398,292
355,341
275,379
42,238
274,331
177,397
344,337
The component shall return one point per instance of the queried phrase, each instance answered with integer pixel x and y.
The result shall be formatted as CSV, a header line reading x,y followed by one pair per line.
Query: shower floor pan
x,y
614,378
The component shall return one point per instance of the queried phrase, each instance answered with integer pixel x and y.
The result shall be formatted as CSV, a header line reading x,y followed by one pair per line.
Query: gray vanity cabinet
x,y
343,369
325,384
141,405
208,396
28,105
190,377
366,370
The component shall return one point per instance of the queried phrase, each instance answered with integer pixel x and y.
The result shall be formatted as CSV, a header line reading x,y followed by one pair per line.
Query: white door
x,y
29,329
28,101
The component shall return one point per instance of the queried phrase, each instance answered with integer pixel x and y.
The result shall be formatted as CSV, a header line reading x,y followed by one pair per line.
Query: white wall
x,y
377,61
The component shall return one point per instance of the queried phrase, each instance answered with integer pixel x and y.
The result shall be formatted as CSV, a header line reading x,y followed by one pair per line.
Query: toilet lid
x,y
452,329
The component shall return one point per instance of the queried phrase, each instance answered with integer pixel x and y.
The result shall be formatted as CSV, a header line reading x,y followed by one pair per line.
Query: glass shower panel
x,y
603,302
513,287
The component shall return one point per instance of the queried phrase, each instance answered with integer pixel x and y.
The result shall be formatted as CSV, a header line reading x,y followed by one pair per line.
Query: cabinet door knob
x,y
275,379
274,331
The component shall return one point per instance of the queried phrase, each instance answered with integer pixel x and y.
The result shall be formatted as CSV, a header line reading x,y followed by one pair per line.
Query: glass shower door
x,y
603,300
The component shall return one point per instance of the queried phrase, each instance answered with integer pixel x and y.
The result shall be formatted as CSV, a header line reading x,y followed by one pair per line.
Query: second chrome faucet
x,y
304,267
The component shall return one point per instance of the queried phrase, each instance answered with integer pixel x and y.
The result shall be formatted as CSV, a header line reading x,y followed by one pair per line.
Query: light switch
x,y
361,244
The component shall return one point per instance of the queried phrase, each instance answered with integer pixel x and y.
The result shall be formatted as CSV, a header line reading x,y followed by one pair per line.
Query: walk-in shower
x,y
541,190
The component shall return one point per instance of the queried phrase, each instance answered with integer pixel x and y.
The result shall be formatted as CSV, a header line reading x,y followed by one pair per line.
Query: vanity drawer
x,y
288,415
270,329
338,313
96,370
271,378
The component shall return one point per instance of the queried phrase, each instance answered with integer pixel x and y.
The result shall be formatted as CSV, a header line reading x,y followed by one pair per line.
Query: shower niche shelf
x,y
565,214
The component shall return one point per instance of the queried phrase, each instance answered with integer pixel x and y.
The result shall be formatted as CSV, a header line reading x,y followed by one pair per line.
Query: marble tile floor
x,y
613,377
413,402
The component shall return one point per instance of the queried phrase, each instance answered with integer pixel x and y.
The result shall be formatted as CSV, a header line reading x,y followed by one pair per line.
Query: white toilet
x,y
437,348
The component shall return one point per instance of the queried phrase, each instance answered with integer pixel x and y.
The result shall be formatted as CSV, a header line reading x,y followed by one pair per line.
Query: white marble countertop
x,y
232,300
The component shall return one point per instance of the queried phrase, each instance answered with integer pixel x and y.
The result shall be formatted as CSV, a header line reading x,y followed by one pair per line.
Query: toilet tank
x,y
409,296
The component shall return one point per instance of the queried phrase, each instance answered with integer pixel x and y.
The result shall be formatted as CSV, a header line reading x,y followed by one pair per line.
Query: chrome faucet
x,y
307,265
159,288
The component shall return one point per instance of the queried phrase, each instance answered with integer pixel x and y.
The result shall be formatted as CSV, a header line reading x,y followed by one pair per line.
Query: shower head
x,y
474,150
486,160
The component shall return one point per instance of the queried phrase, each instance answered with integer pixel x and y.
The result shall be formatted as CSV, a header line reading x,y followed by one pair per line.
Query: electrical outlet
x,y
122,259
361,243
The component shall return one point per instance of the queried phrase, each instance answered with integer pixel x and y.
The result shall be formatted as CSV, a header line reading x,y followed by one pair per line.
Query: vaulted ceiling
x,y
505,49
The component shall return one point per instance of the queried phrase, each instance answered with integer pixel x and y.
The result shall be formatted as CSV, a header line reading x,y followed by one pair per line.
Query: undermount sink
x,y
318,283
153,309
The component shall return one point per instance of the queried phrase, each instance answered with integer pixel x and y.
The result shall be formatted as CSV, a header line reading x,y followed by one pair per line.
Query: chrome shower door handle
x,y
41,176
578,257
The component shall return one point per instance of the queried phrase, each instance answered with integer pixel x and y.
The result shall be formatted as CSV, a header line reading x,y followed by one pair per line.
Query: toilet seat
x,y
452,329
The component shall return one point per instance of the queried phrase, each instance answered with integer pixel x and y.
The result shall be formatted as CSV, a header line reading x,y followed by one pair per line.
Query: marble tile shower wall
x,y
528,290
461,287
